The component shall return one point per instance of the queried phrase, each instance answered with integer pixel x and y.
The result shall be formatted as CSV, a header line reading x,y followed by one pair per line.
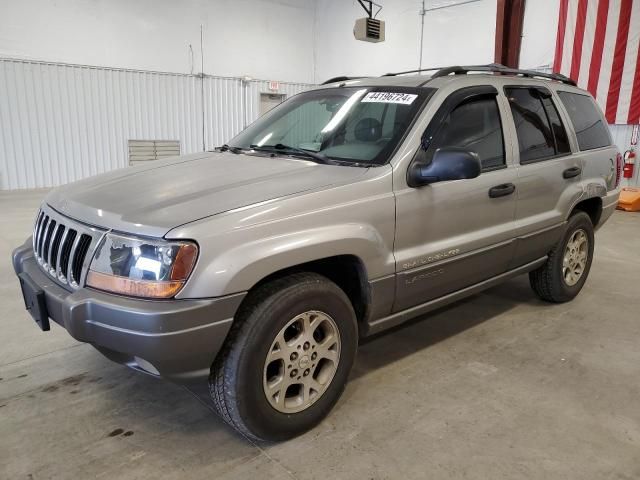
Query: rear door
x,y
453,234
548,174
593,140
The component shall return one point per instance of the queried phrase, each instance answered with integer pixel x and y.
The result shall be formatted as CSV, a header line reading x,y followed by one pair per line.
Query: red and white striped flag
x,y
597,46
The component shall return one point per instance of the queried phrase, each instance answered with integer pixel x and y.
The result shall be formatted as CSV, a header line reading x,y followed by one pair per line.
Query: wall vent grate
x,y
148,150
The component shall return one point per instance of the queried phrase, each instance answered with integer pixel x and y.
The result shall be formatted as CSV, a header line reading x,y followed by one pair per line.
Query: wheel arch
x,y
347,271
591,206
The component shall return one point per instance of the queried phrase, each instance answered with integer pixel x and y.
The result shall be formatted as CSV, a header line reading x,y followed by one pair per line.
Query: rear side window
x,y
475,126
541,134
587,121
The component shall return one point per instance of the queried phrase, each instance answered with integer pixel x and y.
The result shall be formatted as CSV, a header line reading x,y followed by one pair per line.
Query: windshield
x,y
350,124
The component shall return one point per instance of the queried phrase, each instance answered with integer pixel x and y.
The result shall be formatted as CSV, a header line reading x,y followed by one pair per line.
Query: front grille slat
x,y
46,244
55,248
72,255
63,246
51,243
79,257
63,239
65,253
36,230
43,228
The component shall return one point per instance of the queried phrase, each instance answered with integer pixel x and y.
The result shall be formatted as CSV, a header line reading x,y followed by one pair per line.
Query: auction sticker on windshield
x,y
390,97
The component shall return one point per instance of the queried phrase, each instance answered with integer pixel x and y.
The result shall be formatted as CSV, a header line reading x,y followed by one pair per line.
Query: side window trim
x,y
453,101
547,94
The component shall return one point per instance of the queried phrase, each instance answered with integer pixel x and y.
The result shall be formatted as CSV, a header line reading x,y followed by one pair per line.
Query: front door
x,y
453,234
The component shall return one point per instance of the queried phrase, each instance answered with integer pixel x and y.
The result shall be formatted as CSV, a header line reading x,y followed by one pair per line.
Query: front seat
x,y
368,130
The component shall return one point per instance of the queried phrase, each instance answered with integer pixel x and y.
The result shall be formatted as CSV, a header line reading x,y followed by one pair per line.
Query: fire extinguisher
x,y
629,162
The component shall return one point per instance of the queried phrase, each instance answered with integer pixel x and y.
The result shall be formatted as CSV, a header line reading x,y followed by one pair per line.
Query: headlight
x,y
141,267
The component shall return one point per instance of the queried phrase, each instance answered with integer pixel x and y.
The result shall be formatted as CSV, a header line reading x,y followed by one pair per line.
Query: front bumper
x,y
174,339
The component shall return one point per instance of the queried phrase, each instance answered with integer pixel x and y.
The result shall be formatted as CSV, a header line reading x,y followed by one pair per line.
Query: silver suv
x,y
346,210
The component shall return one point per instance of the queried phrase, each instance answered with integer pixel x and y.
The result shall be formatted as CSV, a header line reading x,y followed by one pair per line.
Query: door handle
x,y
502,190
571,172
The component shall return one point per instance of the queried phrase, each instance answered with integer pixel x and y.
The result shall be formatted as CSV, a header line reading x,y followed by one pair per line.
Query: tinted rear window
x,y
587,121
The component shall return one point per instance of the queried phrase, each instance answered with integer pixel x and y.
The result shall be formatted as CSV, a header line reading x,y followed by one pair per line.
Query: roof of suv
x,y
439,77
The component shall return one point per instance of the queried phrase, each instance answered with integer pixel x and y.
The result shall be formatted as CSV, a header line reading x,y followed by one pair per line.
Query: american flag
x,y
597,46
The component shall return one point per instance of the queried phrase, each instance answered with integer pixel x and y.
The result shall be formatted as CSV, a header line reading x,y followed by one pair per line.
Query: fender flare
x,y
240,268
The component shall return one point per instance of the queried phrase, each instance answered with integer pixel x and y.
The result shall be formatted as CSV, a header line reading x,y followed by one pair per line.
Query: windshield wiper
x,y
228,148
307,153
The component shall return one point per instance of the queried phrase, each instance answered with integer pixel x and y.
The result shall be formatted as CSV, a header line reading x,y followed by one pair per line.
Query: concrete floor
x,y
500,386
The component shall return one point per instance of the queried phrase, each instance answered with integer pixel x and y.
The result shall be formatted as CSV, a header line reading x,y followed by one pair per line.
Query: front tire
x,y
287,358
563,275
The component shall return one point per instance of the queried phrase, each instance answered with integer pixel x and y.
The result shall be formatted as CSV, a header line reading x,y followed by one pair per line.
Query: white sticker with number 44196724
x,y
390,97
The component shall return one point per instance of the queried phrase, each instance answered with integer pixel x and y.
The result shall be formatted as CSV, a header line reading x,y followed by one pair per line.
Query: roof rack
x,y
339,79
418,70
498,68
492,68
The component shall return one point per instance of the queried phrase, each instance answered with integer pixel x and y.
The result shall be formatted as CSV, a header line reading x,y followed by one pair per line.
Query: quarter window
x,y
587,121
541,134
474,125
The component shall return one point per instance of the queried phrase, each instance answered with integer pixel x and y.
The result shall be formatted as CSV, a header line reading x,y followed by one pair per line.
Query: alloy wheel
x,y
575,257
301,362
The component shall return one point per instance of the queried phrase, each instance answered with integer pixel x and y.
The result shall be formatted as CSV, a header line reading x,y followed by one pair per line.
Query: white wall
x,y
287,40
462,34
539,33
269,39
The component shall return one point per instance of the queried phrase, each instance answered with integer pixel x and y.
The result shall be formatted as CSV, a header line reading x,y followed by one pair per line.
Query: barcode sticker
x,y
390,97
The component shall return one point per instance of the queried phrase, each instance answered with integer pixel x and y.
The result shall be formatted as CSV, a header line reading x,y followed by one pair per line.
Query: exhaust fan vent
x,y
373,28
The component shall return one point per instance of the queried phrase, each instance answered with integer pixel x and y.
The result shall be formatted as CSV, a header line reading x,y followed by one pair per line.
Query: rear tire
x,y
267,383
563,275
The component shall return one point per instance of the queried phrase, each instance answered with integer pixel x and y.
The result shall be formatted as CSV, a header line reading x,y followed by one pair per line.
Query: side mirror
x,y
449,163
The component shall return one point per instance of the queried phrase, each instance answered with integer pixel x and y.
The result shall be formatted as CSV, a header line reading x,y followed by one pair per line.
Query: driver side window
x,y
475,126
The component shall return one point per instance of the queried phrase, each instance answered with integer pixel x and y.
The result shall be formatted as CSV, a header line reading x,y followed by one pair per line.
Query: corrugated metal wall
x,y
60,123
224,95
621,136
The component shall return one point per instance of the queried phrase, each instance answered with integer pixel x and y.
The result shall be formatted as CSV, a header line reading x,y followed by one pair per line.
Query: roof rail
x,y
492,68
393,74
498,68
339,79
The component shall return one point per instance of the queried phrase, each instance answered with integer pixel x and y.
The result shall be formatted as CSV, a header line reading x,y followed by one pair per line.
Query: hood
x,y
151,200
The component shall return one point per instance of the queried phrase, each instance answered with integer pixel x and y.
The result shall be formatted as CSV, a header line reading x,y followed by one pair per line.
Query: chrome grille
x,y
64,247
